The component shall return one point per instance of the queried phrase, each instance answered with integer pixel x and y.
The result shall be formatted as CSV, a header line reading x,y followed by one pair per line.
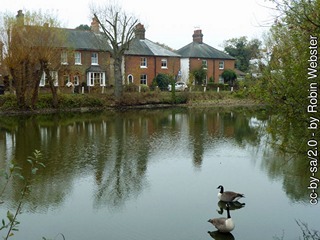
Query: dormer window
x,y
94,59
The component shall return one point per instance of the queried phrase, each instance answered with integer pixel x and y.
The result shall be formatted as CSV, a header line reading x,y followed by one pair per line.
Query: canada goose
x,y
228,196
223,224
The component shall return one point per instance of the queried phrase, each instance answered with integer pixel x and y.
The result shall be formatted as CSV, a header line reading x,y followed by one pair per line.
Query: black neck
x,y
221,189
228,213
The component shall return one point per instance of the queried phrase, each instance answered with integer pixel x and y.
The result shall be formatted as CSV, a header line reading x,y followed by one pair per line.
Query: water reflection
x,y
286,157
116,147
232,206
221,236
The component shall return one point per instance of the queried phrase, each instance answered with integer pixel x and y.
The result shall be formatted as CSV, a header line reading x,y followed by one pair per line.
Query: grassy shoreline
x,y
130,100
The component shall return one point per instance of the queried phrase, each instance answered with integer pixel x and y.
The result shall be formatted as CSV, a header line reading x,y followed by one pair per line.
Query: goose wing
x,y
229,196
218,222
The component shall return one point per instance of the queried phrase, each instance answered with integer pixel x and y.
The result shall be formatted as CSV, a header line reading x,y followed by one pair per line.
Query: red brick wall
x,y
71,69
228,64
132,67
212,67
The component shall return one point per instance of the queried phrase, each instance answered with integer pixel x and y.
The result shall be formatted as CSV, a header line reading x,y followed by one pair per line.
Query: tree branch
x,y
109,35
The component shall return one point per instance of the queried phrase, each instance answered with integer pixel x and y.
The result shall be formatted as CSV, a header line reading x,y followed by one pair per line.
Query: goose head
x,y
221,188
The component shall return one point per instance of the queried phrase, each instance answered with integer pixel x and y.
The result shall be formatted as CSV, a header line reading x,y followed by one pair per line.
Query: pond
x,y
153,174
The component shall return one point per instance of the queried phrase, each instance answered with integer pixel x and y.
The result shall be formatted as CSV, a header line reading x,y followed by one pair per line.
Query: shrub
x,y
130,88
181,98
199,75
8,102
162,81
69,101
144,88
77,101
44,101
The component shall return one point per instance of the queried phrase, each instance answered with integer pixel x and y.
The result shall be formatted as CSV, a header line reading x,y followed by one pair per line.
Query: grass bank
x,y
90,102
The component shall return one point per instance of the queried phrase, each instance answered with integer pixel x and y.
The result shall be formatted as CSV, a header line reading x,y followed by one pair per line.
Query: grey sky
x,y
168,21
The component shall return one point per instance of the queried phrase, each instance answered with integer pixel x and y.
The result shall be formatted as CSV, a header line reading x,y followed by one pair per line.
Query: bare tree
x,y
118,28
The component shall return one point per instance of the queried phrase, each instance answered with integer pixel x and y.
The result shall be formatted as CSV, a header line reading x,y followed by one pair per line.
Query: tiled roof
x,y
202,50
72,39
146,47
95,69
85,40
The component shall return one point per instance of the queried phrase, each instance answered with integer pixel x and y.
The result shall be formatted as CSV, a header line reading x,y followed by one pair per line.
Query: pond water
x,y
153,174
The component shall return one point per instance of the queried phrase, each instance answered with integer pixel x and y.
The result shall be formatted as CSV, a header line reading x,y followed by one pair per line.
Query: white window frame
x,y
205,64
94,58
128,78
164,63
76,80
44,81
144,79
54,75
143,62
64,58
221,80
221,65
77,58
96,78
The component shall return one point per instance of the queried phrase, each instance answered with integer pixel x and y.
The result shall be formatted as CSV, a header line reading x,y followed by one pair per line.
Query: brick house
x,y
197,54
85,58
144,60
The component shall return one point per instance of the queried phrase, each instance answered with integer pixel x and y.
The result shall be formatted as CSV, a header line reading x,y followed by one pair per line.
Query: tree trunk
x,y
35,93
19,84
118,77
52,88
35,87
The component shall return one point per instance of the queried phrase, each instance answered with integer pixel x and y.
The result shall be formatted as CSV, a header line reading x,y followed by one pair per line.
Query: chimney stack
x,y
20,17
197,36
140,31
95,25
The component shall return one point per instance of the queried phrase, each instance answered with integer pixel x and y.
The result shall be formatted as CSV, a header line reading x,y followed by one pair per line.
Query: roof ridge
x,y
149,48
202,50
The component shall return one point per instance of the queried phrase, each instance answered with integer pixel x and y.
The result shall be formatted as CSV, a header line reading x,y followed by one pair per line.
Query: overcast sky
x,y
171,22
